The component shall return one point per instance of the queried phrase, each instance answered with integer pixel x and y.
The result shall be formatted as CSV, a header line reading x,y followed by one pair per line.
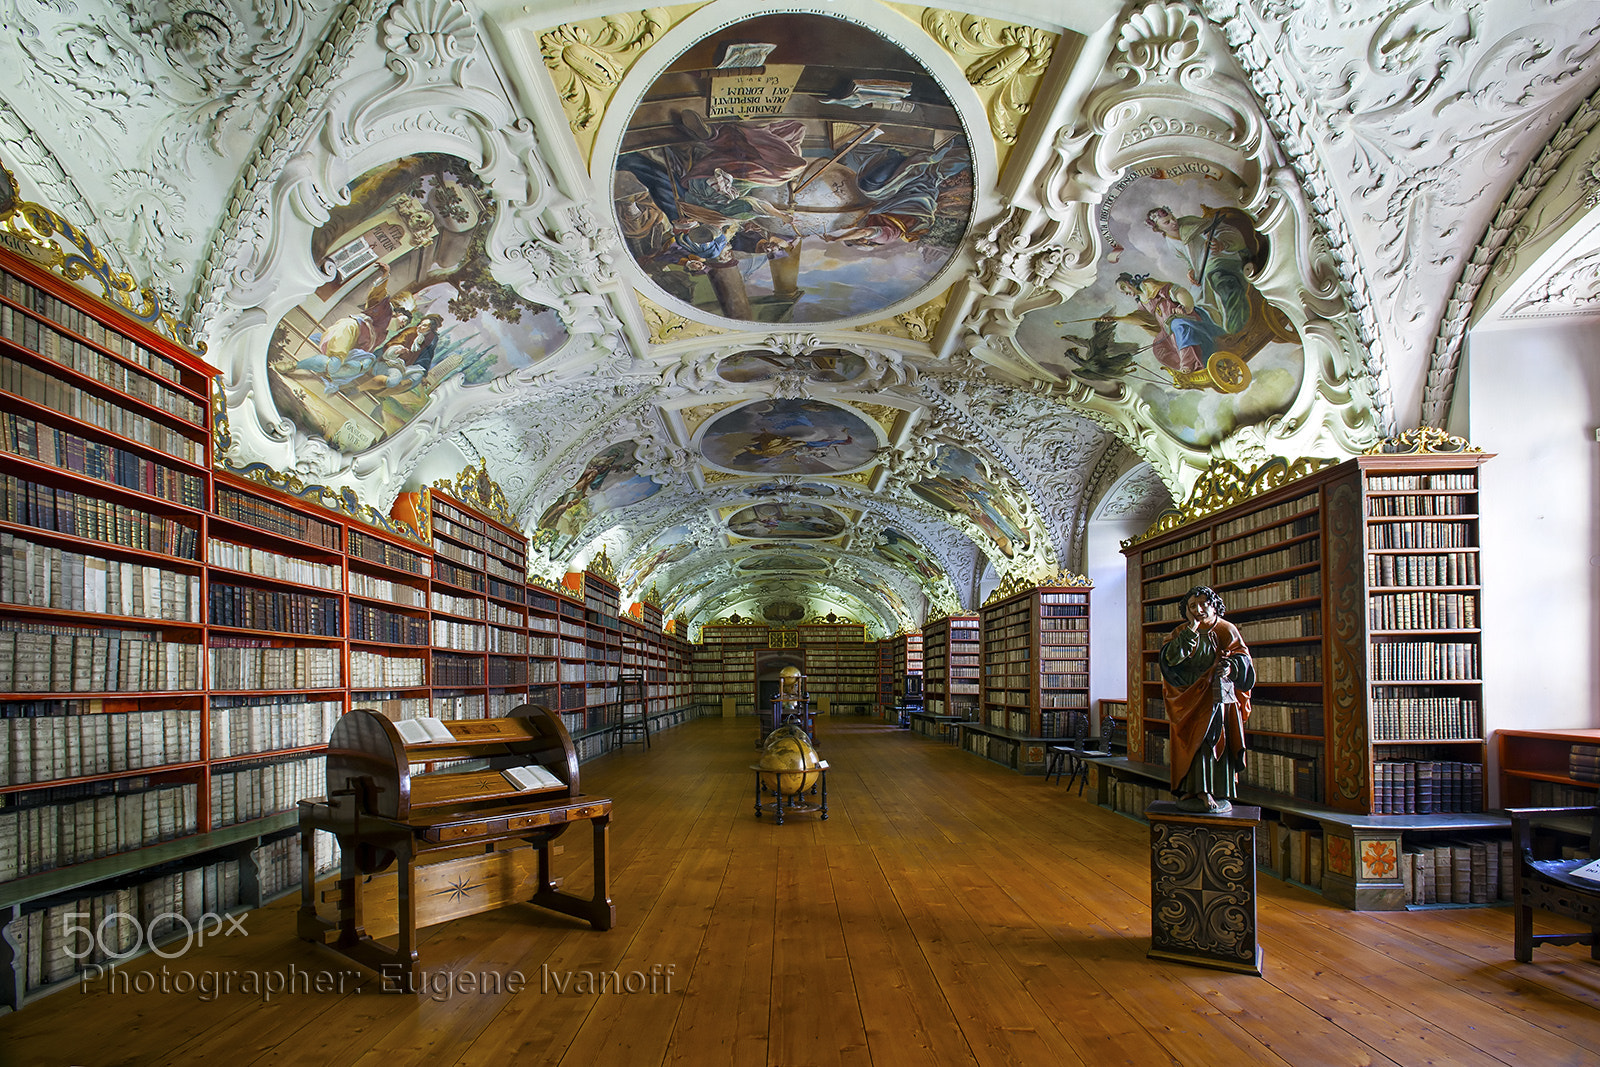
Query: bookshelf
x,y
908,677
840,666
1035,671
117,594
1548,768
952,666
884,695
1356,586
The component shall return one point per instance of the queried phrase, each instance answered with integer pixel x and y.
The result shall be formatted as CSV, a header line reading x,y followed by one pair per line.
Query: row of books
x,y
1426,787
52,944
1420,506
1583,763
33,659
503,615
279,863
461,636
1425,661
1284,666
260,667
1299,554
1422,611
1271,628
40,833
247,729
459,706
38,387
1300,587
1299,526
274,518
45,576
1439,480
59,743
1285,717
466,607
30,439
265,564
507,642
375,550
370,623
1419,535
1290,774
249,608
457,671
458,576
92,518
1457,872
374,670
1450,568
1268,516
43,304
467,557
397,593
29,333
1408,715
240,794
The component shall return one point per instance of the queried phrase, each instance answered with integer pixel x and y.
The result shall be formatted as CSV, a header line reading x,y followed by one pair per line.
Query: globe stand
x,y
794,803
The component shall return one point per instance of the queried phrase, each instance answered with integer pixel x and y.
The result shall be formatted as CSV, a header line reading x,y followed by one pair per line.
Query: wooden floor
x,y
948,912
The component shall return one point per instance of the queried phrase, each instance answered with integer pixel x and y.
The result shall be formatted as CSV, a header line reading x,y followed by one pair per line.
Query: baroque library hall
x,y
817,532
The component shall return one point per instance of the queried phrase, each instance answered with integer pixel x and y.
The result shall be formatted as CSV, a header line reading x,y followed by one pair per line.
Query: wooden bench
x,y
1548,884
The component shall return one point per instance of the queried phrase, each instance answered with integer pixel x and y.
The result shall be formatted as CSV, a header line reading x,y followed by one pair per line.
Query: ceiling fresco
x,y
792,168
823,308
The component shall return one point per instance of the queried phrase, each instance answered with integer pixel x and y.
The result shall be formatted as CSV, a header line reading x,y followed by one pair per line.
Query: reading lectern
x,y
465,811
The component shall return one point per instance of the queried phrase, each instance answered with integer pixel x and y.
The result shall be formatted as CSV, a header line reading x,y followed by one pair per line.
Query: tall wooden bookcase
x,y
840,666
1357,587
952,667
1035,664
907,651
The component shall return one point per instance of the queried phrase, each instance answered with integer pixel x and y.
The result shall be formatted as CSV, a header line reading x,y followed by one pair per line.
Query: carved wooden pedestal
x,y
1203,887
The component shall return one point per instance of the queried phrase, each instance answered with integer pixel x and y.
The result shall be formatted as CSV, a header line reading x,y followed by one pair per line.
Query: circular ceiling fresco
x,y
793,168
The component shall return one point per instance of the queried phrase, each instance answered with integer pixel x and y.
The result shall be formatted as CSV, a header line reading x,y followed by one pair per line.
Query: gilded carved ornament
x,y
602,567
587,61
668,326
918,324
476,489
1002,62
40,235
1012,584
1424,440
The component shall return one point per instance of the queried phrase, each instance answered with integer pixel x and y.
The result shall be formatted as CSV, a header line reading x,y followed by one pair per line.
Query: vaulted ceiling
x,y
817,307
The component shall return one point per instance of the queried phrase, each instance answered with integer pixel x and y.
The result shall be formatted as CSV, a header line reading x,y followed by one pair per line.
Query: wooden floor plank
x,y
948,911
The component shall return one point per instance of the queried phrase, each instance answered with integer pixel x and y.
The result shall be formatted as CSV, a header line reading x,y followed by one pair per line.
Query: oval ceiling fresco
x,y
784,562
793,168
786,520
411,306
610,480
1174,316
962,487
789,437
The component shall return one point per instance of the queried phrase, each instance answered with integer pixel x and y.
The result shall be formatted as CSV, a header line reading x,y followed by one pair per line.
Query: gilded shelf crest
x,y
1225,484
476,489
668,326
1011,585
1424,440
918,324
602,567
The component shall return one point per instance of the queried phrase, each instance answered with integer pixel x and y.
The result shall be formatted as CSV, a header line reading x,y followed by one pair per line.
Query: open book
x,y
531,776
423,731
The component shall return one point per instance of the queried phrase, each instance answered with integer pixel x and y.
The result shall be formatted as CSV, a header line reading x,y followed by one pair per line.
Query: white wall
x,y
1533,399
1108,610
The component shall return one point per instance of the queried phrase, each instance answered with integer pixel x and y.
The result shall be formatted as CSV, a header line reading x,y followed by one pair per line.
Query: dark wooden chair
x,y
1548,884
